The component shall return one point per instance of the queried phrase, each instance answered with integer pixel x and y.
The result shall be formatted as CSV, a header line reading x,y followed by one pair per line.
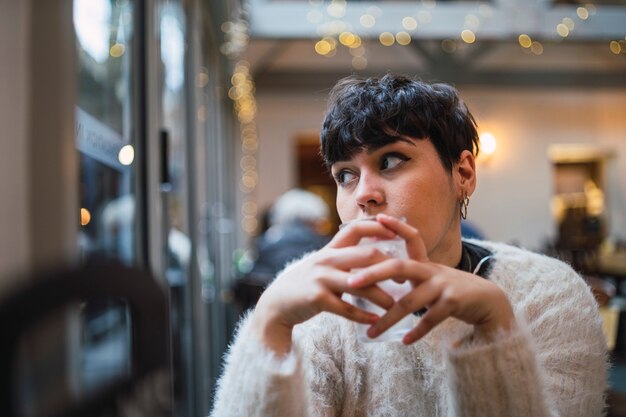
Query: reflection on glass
x,y
176,196
104,128
91,22
172,47
94,349
174,114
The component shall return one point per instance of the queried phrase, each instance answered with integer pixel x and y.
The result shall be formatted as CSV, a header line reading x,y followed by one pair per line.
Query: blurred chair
x,y
93,302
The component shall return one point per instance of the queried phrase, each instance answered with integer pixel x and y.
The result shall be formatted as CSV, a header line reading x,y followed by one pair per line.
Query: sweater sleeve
x,y
500,378
308,381
552,362
256,382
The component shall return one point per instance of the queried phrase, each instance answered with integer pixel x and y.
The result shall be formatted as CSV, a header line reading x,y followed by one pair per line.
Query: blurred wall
x,y
14,41
515,186
280,118
511,203
38,159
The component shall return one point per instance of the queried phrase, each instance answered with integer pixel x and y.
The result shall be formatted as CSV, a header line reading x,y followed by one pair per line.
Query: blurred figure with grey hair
x,y
295,221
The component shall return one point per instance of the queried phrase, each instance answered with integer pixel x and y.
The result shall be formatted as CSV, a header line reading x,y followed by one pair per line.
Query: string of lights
x,y
334,31
242,94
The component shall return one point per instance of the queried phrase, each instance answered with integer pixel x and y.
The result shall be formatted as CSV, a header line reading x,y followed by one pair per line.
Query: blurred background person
x,y
469,230
297,222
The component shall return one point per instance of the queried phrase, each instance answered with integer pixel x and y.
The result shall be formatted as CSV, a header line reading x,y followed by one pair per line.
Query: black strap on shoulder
x,y
475,259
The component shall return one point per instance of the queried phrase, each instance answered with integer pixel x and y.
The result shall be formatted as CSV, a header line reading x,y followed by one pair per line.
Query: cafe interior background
x,y
546,81
191,117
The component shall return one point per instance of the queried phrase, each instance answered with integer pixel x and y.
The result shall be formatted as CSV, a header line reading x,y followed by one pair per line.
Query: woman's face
x,y
406,179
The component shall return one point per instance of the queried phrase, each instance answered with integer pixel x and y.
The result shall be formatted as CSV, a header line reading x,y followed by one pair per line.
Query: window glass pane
x,y
104,138
174,117
104,128
172,32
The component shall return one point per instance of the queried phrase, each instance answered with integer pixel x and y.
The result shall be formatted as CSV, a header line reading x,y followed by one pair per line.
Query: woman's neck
x,y
448,251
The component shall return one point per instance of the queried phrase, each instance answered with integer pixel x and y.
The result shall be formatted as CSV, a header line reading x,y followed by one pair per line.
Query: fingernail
x,y
354,280
374,318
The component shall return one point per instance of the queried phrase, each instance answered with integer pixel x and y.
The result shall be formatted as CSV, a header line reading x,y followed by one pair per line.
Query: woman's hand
x,y
445,291
316,283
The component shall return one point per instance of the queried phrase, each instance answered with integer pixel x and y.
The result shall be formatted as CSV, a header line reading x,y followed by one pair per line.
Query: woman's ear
x,y
465,174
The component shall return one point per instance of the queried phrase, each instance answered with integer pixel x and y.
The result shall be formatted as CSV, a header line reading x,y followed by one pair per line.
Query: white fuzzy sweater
x,y
553,363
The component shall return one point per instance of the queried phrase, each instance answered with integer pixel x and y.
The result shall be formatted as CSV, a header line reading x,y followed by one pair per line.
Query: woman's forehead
x,y
370,149
374,151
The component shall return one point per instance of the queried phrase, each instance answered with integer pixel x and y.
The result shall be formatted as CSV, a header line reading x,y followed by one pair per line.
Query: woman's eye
x,y
392,161
344,177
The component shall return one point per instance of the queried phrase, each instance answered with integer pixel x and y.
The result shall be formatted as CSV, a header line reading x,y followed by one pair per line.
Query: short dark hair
x,y
373,112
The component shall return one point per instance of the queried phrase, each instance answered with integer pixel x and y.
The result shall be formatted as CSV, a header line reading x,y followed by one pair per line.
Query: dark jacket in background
x,y
276,247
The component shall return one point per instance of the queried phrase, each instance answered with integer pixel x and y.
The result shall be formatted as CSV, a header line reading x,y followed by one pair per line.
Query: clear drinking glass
x,y
395,248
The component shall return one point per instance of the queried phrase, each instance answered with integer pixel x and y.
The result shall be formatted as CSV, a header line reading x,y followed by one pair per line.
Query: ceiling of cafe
x,y
458,42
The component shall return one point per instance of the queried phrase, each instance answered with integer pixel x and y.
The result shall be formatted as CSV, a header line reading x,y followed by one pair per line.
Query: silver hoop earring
x,y
464,204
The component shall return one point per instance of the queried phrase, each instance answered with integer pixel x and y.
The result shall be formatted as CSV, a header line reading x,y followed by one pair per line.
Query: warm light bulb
x,y
616,48
387,38
323,47
525,41
536,48
85,217
347,38
569,23
403,38
359,62
487,144
117,50
367,20
126,155
468,36
409,23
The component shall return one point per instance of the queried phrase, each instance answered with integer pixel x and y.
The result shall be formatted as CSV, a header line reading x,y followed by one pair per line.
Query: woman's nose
x,y
369,192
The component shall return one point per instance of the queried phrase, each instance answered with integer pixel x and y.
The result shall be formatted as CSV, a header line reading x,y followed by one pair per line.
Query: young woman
x,y
501,332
